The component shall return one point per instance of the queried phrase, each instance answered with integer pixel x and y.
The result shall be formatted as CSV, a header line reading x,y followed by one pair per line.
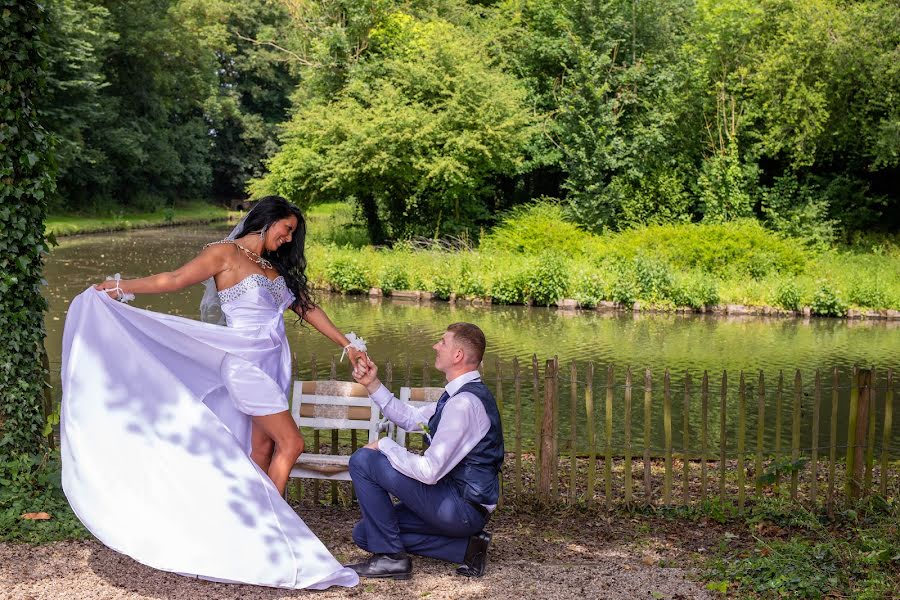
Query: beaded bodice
x,y
276,287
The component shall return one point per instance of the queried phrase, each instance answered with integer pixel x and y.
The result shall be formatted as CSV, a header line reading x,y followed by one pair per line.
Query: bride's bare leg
x,y
261,447
281,428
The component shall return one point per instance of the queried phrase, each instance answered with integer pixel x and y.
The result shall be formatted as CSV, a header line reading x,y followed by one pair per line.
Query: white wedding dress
x,y
155,426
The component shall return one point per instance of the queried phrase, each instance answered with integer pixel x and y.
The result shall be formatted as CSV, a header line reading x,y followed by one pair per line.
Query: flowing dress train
x,y
155,427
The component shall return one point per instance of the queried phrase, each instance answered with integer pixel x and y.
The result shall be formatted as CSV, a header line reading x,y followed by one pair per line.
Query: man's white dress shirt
x,y
463,423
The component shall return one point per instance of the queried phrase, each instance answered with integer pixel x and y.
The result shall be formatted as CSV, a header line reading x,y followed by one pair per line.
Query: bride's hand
x,y
109,287
357,357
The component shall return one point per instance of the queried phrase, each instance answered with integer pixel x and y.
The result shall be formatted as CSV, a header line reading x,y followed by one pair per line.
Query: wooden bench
x,y
340,405
418,397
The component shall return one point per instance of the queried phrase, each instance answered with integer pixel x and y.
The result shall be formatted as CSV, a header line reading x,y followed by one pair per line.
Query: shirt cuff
x,y
386,444
381,396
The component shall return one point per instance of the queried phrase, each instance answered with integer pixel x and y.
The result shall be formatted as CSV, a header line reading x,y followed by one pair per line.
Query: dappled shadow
x,y
152,471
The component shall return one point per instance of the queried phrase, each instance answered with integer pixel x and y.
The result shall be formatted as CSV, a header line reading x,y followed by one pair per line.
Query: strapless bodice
x,y
255,301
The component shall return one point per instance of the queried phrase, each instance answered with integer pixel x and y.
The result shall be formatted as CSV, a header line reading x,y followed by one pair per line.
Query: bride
x,y
177,441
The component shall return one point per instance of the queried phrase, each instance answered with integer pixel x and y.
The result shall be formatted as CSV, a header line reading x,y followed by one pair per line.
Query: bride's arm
x,y
209,262
316,317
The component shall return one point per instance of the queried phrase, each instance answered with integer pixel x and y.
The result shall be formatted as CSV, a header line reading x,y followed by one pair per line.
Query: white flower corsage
x,y
122,295
355,342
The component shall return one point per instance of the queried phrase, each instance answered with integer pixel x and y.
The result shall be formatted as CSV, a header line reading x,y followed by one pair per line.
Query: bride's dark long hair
x,y
290,258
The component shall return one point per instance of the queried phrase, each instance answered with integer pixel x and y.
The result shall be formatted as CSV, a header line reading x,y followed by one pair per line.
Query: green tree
x,y
256,75
417,137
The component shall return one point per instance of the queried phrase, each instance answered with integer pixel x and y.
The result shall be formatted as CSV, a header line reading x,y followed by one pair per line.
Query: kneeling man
x,y
447,494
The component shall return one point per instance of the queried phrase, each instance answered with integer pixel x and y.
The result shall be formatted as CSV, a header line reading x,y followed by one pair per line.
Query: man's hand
x,y
366,373
372,445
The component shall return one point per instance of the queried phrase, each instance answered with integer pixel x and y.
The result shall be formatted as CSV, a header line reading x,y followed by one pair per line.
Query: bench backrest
x,y
416,396
334,405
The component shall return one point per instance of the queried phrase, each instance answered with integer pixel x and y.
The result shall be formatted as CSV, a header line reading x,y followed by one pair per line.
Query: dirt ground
x,y
579,555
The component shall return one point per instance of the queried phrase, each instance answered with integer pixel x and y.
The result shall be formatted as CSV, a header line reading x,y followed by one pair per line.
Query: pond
x,y
402,331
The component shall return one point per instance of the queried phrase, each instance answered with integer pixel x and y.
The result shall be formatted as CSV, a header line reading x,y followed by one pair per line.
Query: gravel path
x,y
580,556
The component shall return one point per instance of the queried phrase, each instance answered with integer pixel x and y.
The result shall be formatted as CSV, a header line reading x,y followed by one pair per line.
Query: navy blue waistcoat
x,y
477,475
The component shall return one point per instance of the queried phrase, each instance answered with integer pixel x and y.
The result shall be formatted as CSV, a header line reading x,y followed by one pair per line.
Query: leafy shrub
x,y
653,277
536,228
548,281
788,296
827,302
394,277
737,248
626,288
345,275
510,287
589,289
470,282
869,294
441,284
695,290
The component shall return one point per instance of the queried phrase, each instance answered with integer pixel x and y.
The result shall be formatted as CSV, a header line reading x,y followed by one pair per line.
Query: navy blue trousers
x,y
430,520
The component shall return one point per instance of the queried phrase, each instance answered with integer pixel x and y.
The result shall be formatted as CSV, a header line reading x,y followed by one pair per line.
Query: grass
x,y
183,212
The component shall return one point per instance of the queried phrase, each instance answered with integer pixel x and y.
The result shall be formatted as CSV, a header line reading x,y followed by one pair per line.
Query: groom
x,y
448,493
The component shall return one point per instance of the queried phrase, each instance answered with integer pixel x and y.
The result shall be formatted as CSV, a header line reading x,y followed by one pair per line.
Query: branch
x,y
294,55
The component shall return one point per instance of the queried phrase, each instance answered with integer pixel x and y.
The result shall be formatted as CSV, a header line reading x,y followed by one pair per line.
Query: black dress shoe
x,y
384,566
476,555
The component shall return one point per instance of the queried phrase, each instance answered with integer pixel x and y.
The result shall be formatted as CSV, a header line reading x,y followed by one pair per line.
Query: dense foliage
x,y
643,113
26,183
155,100
432,117
535,256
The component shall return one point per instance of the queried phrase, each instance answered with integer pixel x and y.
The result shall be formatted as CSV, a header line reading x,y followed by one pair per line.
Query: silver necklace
x,y
262,262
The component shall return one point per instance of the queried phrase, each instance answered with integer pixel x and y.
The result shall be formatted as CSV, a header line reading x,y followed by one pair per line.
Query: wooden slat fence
x,y
562,449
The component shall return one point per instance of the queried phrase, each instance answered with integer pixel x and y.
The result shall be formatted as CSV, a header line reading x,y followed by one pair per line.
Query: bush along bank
x,y
729,269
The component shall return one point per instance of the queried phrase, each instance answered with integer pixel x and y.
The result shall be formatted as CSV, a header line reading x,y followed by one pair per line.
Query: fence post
x,y
538,419
547,431
779,391
554,482
760,430
870,441
573,435
667,431
517,378
886,433
742,435
685,440
795,434
499,399
608,431
592,437
704,417
814,454
628,436
832,454
722,439
648,401
856,431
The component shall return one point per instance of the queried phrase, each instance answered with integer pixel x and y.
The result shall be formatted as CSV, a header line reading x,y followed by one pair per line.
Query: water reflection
x,y
403,332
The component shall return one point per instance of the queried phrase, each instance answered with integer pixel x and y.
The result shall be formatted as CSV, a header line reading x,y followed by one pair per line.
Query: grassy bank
x,y
182,213
536,257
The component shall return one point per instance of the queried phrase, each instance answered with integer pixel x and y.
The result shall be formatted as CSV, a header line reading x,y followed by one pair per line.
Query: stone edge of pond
x,y
570,304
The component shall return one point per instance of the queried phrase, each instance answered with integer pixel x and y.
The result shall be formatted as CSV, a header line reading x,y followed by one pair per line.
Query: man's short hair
x,y
471,338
